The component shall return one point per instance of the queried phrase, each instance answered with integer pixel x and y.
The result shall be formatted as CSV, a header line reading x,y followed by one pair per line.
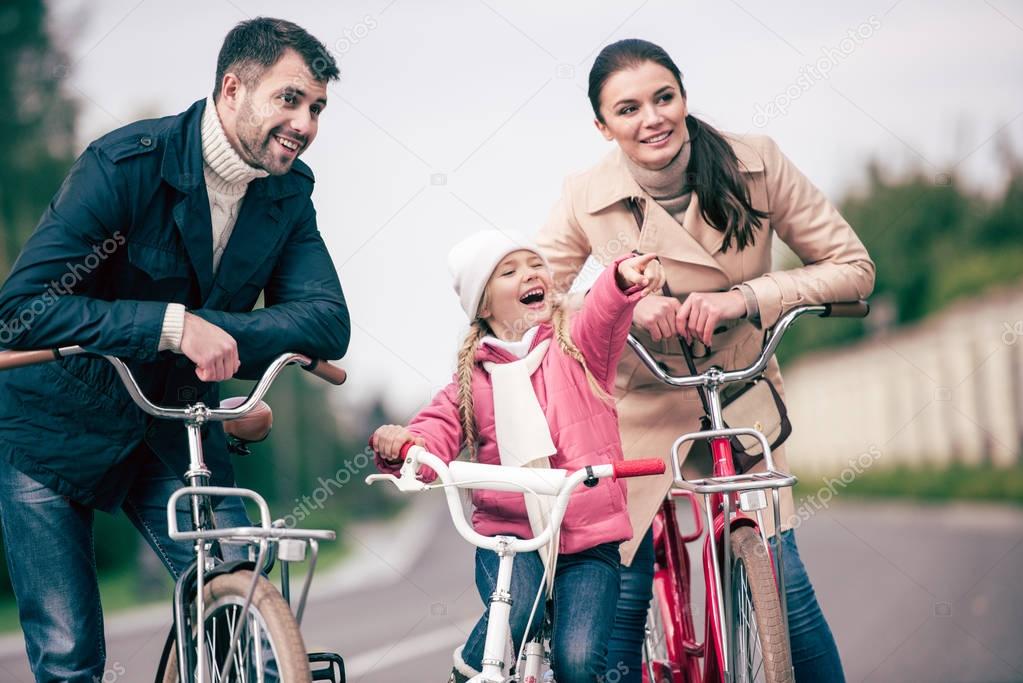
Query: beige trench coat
x,y
592,217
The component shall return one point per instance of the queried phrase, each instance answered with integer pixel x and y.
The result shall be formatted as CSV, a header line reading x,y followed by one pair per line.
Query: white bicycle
x,y
556,483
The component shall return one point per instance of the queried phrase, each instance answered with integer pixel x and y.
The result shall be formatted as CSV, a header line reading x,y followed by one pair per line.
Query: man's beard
x,y
255,144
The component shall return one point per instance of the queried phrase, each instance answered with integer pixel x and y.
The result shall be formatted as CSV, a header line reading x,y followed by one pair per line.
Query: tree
x,y
39,133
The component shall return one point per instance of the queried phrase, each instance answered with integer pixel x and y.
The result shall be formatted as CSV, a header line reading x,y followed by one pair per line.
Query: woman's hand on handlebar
x,y
656,314
702,312
388,440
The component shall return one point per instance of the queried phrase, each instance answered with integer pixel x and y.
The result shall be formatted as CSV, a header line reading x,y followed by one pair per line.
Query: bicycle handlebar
x,y
471,475
324,370
852,309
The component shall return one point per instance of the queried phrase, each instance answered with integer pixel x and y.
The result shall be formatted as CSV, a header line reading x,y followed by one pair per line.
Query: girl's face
x,y
518,295
645,113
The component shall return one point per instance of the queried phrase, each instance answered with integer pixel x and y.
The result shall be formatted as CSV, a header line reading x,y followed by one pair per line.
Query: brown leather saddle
x,y
251,428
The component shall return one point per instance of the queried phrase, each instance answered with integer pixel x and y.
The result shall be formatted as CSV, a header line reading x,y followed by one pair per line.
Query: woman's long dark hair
x,y
713,170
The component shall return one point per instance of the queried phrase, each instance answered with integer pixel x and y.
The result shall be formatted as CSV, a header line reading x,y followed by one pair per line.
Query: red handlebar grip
x,y
638,468
404,448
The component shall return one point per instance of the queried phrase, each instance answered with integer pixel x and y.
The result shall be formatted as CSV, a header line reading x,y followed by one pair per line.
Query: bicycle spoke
x,y
749,659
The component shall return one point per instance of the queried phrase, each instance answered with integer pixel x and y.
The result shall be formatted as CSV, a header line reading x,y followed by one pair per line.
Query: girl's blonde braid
x,y
466,364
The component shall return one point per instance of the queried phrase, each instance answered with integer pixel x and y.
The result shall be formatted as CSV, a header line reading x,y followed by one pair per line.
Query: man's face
x,y
276,119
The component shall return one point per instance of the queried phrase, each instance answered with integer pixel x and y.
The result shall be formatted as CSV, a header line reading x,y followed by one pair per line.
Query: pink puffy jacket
x,y
584,427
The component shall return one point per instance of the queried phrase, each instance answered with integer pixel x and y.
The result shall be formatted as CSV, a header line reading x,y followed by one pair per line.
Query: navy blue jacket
x,y
128,231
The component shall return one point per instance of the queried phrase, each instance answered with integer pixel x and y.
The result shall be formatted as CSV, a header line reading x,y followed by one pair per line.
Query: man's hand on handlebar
x,y
388,440
214,351
702,312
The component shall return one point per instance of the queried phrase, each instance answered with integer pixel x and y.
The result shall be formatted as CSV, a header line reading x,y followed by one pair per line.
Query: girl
x,y
531,384
710,204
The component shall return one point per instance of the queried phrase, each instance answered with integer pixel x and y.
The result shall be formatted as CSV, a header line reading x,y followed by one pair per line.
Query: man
x,y
156,249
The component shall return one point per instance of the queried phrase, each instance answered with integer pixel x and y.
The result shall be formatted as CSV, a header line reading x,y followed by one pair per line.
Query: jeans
x,y
585,594
814,653
48,543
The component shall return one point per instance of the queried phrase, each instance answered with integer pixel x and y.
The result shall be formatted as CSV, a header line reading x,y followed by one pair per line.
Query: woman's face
x,y
518,295
645,113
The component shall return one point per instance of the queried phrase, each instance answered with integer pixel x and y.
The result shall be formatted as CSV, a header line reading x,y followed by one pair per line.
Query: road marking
x,y
390,655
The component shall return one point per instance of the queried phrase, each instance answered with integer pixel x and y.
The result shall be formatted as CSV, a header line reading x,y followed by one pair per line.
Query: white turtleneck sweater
x,y
227,179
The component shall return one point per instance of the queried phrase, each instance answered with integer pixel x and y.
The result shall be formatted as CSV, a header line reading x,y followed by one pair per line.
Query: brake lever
x,y
408,481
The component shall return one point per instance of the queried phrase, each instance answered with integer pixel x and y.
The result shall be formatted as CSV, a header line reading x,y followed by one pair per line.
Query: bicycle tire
x,y
756,613
224,596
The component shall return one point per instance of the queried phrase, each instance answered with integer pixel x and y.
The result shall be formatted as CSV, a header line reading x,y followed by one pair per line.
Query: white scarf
x,y
523,436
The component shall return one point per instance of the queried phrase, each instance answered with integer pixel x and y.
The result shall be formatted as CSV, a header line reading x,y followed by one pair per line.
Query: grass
x,y
958,482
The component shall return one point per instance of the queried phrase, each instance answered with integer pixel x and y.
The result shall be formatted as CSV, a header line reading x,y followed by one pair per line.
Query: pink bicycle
x,y
746,635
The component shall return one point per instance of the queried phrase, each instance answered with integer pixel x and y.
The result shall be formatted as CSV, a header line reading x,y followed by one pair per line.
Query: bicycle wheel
x,y
761,646
270,648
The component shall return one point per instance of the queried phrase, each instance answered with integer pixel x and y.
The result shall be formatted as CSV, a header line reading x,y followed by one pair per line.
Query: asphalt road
x,y
912,594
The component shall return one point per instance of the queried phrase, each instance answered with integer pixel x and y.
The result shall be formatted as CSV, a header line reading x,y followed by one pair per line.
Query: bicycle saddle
x,y
252,427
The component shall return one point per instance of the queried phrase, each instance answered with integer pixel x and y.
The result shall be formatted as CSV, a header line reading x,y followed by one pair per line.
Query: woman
x,y
709,205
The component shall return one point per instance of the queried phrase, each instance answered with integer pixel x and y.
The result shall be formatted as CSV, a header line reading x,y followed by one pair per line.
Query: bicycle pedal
x,y
333,672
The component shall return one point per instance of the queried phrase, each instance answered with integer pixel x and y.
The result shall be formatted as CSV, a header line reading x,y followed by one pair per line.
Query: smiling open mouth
x,y
287,143
533,296
657,138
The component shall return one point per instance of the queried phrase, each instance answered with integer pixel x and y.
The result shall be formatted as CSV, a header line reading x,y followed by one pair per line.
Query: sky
x,y
452,117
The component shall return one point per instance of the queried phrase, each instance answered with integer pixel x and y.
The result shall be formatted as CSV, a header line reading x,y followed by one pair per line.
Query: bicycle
x,y
249,632
542,482
746,617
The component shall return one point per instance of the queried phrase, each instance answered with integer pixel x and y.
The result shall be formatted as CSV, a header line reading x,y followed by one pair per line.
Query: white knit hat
x,y
472,261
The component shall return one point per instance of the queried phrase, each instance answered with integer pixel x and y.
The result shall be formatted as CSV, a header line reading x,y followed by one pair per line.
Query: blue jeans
x,y
48,543
814,653
585,594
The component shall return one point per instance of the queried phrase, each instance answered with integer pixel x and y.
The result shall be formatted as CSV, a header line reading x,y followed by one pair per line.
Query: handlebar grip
x,y
327,371
405,448
17,359
638,468
847,309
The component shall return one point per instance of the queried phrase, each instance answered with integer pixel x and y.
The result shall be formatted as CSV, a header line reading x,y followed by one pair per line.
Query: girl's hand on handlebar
x,y
656,315
644,271
701,312
388,440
